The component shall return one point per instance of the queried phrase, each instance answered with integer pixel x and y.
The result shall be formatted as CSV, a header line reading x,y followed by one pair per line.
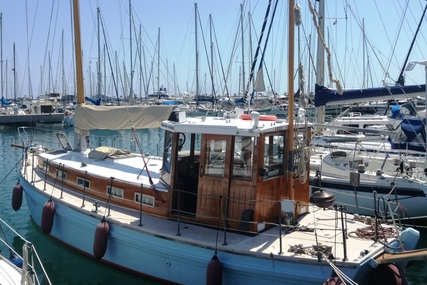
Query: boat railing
x,y
29,261
233,215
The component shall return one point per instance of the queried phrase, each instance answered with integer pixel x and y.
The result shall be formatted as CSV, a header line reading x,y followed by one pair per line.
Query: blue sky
x,y
36,27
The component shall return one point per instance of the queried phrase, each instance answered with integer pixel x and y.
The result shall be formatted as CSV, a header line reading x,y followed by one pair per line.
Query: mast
x,y
130,46
14,74
98,12
49,89
363,56
320,77
158,63
243,49
1,53
78,51
290,137
197,55
141,78
62,65
212,69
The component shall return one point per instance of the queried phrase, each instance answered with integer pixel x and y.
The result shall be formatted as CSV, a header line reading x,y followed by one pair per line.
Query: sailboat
x,y
226,203
20,269
373,164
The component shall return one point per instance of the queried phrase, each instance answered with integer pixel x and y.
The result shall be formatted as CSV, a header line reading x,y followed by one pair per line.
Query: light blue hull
x,y
148,254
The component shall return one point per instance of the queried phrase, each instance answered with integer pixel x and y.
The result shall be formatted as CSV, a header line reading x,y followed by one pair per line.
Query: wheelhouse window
x,y
215,157
167,152
243,157
274,161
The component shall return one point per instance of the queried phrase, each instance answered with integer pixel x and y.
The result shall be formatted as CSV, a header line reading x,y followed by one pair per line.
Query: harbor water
x,y
63,265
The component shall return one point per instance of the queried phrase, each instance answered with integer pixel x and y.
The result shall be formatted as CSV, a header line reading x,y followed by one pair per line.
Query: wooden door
x,y
214,177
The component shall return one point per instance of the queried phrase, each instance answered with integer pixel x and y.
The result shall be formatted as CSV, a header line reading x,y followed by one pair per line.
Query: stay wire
x,y
13,168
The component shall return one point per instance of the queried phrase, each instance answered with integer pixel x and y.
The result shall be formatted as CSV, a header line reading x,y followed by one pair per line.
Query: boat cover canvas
x,y
88,117
414,130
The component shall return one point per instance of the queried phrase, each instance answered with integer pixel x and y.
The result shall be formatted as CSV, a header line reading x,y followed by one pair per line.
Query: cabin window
x,y
83,182
117,192
61,174
243,157
215,157
146,199
274,160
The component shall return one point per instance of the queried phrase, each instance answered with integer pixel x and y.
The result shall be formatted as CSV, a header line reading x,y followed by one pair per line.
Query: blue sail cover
x,y
414,129
324,96
4,102
96,102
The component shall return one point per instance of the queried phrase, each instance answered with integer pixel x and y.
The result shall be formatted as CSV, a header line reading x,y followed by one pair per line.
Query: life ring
x,y
261,117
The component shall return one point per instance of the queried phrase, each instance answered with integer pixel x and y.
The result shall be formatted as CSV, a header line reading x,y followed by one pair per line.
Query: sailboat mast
x,y
62,65
197,54
158,63
78,51
243,48
99,53
290,137
212,68
14,74
130,46
1,53
320,77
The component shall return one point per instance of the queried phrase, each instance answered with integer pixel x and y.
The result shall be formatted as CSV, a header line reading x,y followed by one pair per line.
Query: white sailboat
x,y
372,164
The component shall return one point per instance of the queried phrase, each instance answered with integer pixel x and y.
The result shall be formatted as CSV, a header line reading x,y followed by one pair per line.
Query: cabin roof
x,y
225,126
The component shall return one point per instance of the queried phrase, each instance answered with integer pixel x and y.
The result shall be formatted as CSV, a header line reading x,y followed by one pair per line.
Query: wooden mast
x,y
78,53
290,137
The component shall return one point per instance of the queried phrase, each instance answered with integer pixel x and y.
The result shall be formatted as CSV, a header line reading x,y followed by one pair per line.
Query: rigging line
x,y
397,36
339,273
13,168
401,79
48,38
109,61
156,193
256,53
206,53
29,41
261,62
221,64
367,40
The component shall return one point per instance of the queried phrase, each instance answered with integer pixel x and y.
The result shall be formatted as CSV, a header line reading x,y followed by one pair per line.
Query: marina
x,y
59,258
220,189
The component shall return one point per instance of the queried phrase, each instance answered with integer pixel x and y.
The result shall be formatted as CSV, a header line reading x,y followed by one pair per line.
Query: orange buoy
x,y
389,274
261,117
17,196
101,239
214,272
47,216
